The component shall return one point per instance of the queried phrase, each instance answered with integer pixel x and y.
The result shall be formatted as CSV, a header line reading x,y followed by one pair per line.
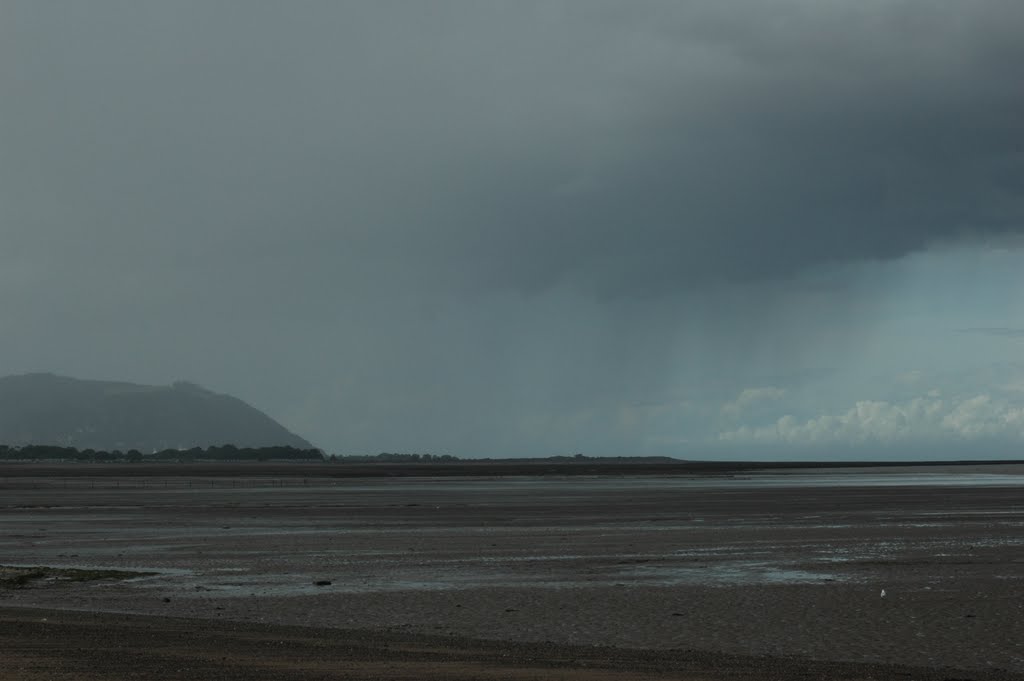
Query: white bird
x,y
883,593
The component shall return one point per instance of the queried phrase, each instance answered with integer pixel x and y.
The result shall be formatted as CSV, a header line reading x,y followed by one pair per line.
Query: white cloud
x,y
1015,385
921,420
982,416
751,396
910,377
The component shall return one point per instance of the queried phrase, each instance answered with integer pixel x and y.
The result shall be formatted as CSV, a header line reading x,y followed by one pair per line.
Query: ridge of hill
x,y
46,409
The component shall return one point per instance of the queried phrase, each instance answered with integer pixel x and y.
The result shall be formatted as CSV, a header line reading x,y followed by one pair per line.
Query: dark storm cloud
x,y
793,141
625,149
424,199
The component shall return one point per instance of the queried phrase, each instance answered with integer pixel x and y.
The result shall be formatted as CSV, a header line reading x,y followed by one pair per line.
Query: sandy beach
x,y
775,572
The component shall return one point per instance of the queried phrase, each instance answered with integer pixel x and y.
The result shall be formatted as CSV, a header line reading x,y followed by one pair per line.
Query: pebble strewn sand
x,y
635,563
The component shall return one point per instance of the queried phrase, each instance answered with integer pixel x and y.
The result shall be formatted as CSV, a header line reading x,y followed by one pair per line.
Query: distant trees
x,y
226,452
387,457
229,452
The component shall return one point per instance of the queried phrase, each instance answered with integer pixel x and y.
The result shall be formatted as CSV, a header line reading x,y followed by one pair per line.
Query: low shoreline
x,y
488,469
56,644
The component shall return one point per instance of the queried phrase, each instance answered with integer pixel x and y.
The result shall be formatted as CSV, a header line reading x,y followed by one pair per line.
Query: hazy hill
x,y
103,415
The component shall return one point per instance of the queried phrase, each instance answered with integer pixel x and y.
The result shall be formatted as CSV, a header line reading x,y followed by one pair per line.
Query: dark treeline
x,y
581,458
385,457
282,453
447,458
217,453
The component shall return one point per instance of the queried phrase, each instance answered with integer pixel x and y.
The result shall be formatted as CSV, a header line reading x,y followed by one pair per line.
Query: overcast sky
x,y
731,229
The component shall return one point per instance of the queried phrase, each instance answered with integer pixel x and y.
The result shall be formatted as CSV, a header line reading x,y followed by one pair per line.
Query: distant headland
x,y
51,410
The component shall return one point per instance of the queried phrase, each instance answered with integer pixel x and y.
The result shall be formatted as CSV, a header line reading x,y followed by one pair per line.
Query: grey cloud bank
x,y
490,227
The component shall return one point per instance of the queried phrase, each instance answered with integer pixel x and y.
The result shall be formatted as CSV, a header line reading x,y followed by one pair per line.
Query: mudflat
x,y
46,644
751,575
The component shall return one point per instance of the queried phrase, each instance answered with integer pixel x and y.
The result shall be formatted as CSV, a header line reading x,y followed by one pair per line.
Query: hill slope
x,y
104,415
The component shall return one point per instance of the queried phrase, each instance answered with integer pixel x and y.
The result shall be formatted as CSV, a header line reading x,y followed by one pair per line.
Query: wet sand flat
x,y
777,565
47,644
